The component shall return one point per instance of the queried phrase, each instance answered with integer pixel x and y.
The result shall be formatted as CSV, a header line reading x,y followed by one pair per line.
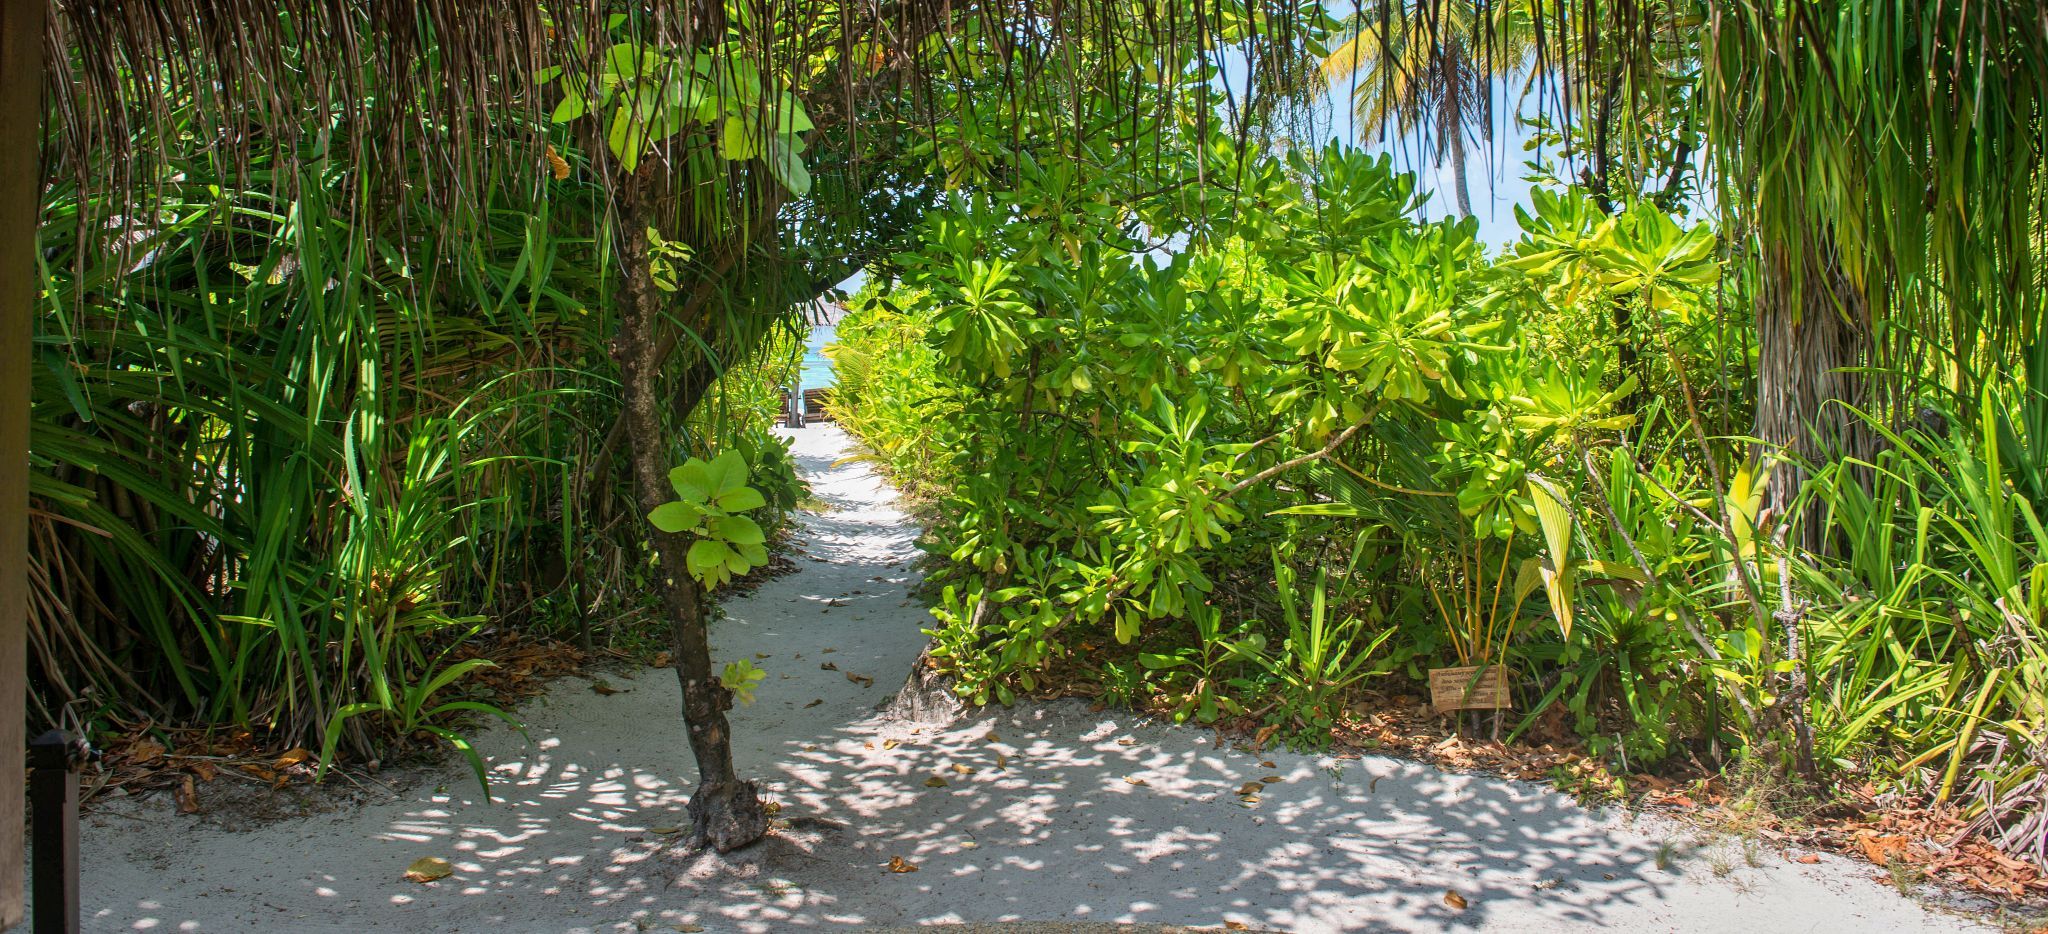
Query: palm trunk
x,y
725,813
1811,337
1453,137
1458,172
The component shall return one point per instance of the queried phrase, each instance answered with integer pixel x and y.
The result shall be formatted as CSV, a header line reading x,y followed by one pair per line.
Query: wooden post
x,y
56,756
21,108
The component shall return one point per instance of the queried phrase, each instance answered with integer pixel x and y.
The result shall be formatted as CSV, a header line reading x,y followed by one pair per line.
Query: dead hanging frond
x,y
465,89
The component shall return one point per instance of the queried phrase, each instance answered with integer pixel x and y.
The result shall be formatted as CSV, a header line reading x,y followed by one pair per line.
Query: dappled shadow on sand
x,y
1039,812
1055,818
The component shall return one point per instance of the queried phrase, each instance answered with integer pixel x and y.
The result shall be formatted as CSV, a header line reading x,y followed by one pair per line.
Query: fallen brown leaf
x,y
604,688
814,703
188,795
144,750
1453,899
899,864
828,666
935,782
428,868
1133,780
862,680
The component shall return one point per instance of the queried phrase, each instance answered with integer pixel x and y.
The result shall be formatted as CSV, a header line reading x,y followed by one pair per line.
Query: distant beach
x,y
817,372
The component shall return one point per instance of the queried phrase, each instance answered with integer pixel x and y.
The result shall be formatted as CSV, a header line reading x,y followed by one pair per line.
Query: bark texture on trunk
x,y
1452,136
725,812
926,697
1812,334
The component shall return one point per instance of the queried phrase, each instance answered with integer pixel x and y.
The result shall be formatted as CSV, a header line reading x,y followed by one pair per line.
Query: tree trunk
x,y
926,696
725,812
1811,336
1458,172
1454,138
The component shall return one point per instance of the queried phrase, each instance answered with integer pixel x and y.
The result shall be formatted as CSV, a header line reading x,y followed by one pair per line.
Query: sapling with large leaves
x,y
679,123
710,495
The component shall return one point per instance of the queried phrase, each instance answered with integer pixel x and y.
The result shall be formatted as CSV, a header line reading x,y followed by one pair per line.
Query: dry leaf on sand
x,y
428,868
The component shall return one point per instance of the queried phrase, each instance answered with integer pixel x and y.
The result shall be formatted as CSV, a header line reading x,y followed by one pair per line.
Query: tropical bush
x,y
282,476
1322,441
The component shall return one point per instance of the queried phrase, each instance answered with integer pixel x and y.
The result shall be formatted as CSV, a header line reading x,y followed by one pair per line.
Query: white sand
x,y
1059,834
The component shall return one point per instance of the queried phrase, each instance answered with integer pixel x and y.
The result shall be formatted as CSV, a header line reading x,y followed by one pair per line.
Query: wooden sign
x,y
1463,688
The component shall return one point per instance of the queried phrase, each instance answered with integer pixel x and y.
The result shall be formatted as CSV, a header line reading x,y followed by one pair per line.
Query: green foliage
x,y
642,95
1114,443
741,677
282,472
710,495
1321,658
1936,627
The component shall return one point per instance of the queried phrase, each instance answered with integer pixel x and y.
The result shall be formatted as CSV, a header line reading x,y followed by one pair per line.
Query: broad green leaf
x,y
627,136
692,481
572,106
1554,513
725,473
739,530
675,517
790,118
736,141
741,500
706,561
788,167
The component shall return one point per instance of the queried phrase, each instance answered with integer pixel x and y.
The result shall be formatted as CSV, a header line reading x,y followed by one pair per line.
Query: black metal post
x,y
53,804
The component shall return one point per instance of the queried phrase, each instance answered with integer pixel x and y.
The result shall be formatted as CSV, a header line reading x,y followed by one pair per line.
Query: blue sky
x,y
1493,171
1493,168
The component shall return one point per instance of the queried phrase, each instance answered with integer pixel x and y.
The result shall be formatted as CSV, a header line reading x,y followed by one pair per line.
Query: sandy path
x,y
1060,833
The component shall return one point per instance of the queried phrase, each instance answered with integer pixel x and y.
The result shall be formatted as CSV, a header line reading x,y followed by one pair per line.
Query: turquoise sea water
x,y
817,372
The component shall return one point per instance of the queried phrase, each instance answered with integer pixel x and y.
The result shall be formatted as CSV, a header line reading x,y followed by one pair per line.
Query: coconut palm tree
x,y
1431,65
